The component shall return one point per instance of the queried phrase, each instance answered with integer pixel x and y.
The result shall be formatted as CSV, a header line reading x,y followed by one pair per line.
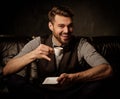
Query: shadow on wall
x,y
92,18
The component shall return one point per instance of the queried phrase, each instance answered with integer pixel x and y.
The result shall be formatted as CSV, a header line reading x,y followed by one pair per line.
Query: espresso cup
x,y
58,50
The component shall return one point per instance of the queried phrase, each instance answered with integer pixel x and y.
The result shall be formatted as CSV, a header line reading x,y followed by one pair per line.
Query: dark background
x,y
92,17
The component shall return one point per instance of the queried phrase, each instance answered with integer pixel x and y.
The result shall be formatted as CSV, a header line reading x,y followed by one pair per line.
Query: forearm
x,y
18,63
96,73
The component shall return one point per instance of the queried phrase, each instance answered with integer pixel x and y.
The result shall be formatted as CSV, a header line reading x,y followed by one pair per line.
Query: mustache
x,y
64,33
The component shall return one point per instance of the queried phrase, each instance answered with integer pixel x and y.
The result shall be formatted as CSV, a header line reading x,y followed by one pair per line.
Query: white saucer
x,y
50,80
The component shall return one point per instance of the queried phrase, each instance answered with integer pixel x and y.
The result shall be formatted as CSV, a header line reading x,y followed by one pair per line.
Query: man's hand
x,y
42,52
65,79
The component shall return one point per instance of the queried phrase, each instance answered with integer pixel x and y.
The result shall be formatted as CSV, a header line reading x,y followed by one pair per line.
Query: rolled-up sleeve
x,y
89,53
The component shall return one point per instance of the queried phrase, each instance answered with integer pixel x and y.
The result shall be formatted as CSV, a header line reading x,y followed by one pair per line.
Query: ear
x,y
50,25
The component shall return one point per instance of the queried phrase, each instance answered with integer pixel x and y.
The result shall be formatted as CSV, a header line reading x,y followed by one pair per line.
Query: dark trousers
x,y
18,87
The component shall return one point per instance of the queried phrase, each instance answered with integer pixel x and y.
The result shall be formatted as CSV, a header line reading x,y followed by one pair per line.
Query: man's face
x,y
62,28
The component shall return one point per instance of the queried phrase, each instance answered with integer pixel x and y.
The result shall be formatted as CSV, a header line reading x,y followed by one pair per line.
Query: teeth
x,y
64,35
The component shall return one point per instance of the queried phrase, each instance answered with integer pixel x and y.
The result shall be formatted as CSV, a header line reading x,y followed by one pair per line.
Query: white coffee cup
x,y
58,50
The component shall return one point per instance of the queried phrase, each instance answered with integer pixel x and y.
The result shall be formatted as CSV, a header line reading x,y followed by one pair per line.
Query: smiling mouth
x,y
65,36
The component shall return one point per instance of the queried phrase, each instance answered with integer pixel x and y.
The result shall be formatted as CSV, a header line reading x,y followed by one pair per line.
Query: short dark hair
x,y
60,10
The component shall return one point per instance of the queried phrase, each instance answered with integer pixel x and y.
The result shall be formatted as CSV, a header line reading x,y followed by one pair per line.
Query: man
x,y
73,79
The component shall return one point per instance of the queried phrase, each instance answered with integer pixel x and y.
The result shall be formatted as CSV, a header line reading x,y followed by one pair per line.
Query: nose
x,y
66,29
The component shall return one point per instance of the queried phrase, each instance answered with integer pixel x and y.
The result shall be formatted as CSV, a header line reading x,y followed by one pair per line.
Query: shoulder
x,y
35,40
82,39
40,39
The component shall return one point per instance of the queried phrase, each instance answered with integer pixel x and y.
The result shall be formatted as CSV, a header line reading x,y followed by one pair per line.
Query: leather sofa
x,y
9,46
108,46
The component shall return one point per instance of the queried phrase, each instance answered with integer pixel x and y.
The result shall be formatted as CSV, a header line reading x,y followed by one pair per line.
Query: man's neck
x,y
55,41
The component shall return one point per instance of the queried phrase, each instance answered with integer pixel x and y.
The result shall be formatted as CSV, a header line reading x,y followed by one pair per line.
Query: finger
x,y
62,77
62,81
43,52
50,50
45,47
46,57
47,50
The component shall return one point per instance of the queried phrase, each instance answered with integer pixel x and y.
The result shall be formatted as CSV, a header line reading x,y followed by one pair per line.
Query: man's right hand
x,y
42,52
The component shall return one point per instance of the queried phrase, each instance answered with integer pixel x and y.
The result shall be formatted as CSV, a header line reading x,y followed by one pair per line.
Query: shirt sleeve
x,y
31,45
89,53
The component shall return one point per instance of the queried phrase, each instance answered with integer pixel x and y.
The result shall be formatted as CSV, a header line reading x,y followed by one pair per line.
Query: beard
x,y
63,40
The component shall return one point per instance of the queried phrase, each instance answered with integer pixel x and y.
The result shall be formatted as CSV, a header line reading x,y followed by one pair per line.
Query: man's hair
x,y
60,10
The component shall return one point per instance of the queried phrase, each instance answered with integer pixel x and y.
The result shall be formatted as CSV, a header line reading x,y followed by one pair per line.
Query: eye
x,y
61,26
70,26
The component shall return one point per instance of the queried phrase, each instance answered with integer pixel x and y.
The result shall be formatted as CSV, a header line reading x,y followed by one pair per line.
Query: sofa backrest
x,y
10,46
109,47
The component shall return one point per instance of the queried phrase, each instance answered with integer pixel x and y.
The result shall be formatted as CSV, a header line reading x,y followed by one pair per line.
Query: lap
x,y
20,88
